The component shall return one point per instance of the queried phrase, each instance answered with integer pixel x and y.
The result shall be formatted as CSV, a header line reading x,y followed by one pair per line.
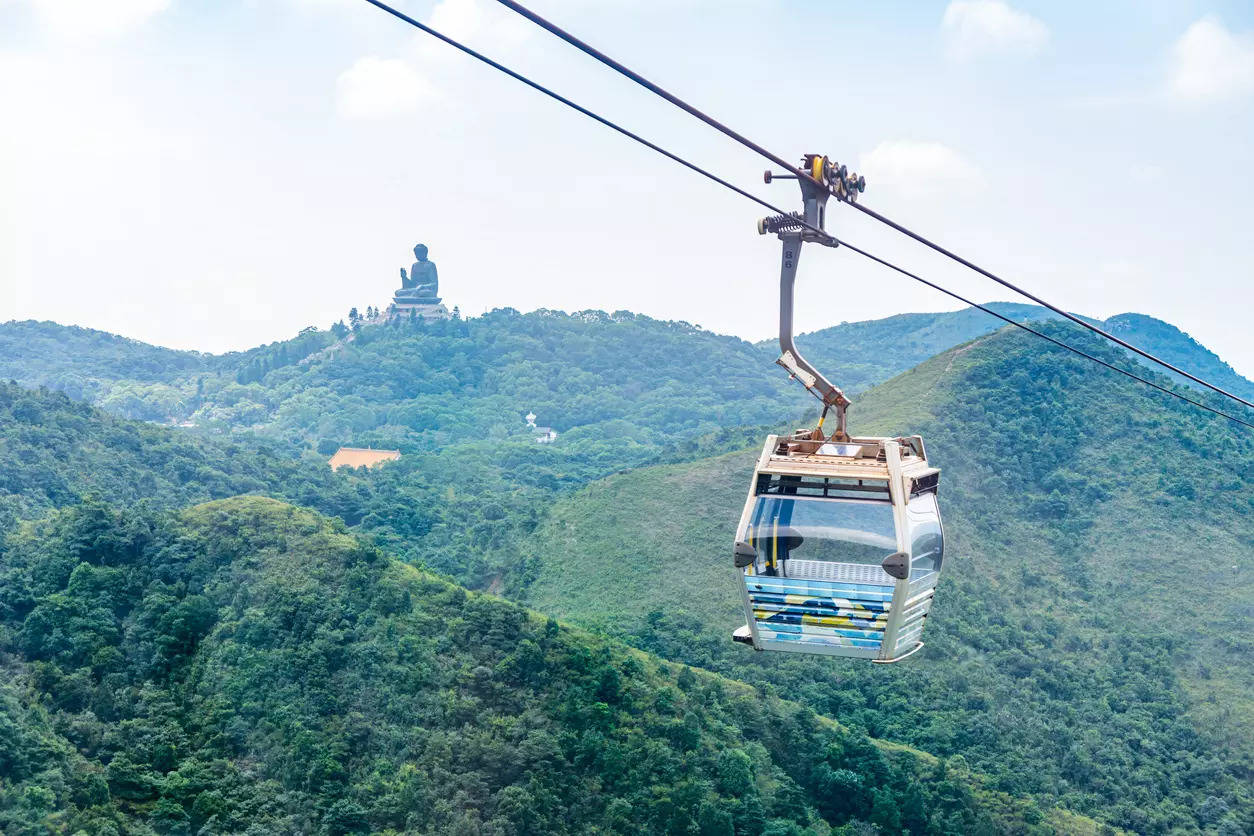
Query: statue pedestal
x,y
405,308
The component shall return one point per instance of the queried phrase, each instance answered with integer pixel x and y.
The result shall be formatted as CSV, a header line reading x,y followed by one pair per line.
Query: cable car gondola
x,y
840,542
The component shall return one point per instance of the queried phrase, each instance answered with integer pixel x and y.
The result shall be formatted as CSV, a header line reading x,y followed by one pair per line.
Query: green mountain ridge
x,y
247,666
385,383
870,352
1067,655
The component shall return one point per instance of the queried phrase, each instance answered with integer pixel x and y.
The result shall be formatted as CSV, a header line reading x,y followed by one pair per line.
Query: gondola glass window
x,y
927,541
792,535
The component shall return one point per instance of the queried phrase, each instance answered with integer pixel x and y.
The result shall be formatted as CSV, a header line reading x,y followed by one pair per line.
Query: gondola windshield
x,y
803,531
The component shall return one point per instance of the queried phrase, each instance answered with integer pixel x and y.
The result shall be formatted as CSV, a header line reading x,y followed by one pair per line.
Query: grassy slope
x,y
1077,580
650,538
328,688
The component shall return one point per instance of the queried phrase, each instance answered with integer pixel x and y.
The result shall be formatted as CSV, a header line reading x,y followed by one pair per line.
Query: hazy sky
x,y
214,175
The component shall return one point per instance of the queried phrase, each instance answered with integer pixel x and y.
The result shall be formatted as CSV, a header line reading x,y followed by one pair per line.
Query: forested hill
x,y
419,386
124,376
1083,520
247,666
456,512
870,352
1090,642
74,360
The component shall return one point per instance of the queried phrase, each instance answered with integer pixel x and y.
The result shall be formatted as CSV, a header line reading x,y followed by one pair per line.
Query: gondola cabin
x,y
839,547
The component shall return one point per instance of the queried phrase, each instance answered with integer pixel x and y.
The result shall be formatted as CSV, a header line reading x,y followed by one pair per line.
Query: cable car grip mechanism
x,y
826,179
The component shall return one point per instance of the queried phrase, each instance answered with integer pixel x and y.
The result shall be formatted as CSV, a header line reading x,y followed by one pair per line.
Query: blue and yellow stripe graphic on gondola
x,y
816,620
765,612
821,612
802,638
867,608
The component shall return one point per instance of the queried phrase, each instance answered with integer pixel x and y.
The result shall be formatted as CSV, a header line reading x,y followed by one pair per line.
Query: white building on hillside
x,y
544,435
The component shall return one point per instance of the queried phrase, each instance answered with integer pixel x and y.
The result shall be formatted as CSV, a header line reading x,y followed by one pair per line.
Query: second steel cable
x,y
715,178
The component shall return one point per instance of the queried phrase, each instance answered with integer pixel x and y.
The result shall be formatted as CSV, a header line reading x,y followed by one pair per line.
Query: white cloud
x,y
376,88
974,28
379,88
88,19
1209,64
917,169
457,18
482,25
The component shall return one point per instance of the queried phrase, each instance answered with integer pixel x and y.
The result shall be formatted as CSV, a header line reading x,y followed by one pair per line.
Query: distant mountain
x,y
1091,638
1178,348
620,377
864,354
48,354
247,666
414,385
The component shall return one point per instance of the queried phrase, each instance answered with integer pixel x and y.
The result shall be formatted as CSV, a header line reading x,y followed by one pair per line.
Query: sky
x,y
214,176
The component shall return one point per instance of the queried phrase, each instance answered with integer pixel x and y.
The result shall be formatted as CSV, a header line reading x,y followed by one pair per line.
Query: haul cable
x,y
592,51
535,85
1043,336
767,204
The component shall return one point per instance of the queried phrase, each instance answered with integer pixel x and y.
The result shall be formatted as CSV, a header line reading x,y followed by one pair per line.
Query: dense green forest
x,y
1067,655
1056,667
247,666
460,511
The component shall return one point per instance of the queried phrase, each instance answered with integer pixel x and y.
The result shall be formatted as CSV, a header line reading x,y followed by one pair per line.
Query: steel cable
x,y
753,146
722,182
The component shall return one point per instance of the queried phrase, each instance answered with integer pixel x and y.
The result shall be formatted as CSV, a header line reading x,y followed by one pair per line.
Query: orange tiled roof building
x,y
362,457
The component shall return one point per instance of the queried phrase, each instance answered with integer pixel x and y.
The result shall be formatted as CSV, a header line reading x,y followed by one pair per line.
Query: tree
x,y
345,818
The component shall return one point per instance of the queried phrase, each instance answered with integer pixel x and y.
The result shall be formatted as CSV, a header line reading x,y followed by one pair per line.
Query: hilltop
x,y
1084,518
868,353
642,384
248,665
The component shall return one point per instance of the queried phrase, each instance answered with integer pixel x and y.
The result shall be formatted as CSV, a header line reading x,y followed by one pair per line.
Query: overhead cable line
x,y
1077,320
496,65
799,221
1042,335
753,146
653,88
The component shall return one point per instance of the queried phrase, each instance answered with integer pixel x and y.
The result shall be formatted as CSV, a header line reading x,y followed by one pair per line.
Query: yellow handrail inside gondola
x,y
774,542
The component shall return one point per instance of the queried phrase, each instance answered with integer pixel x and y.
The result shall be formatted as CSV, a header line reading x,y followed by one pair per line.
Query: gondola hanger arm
x,y
826,179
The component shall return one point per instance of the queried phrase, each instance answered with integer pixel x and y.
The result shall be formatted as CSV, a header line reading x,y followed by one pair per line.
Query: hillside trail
x,y
328,351
949,366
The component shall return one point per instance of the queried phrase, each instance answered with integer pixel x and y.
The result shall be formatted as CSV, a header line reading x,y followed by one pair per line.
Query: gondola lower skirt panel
x,y
823,613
